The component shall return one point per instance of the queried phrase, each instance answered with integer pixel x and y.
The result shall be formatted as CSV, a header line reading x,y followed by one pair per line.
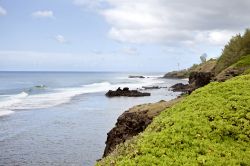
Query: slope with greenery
x,y
237,47
238,68
209,127
207,66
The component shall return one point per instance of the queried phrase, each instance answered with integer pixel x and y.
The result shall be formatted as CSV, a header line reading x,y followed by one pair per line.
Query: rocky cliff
x,y
134,121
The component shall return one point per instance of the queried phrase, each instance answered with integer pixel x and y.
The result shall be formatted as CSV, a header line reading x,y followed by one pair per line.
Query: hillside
x,y
207,66
237,47
238,68
209,127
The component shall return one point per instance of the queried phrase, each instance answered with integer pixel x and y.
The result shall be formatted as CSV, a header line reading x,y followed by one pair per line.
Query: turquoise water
x,y
62,118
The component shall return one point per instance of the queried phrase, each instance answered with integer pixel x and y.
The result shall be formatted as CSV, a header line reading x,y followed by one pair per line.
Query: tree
x,y
203,58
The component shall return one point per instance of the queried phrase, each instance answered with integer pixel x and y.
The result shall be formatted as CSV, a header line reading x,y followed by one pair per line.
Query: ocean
x,y
62,118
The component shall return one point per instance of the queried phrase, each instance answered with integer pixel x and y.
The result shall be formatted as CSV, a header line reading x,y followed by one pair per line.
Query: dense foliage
x,y
243,62
237,47
210,127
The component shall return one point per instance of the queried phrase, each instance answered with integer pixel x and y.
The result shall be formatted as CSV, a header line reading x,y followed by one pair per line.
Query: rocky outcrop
x,y
196,80
180,87
134,121
200,79
136,77
151,87
177,74
229,73
205,67
128,125
126,92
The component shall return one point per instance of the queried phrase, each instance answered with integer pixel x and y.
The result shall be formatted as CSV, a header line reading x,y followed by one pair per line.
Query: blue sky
x,y
115,35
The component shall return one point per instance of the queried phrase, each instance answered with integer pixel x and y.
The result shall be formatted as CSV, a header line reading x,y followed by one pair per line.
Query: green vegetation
x,y
243,62
238,68
209,127
206,66
237,47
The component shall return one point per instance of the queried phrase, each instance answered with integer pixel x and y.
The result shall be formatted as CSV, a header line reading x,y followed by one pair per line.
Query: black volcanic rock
x,y
136,77
151,87
126,92
128,125
134,121
180,87
200,79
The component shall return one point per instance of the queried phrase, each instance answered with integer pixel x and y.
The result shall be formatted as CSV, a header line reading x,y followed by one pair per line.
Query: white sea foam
x,y
9,100
64,95
5,112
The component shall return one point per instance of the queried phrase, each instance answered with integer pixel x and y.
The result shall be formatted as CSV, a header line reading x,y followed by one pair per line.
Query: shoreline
x,y
134,121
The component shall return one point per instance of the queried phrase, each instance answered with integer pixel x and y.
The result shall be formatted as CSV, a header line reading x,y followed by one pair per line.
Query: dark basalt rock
x,y
200,79
196,80
134,121
151,87
136,77
128,125
180,87
126,92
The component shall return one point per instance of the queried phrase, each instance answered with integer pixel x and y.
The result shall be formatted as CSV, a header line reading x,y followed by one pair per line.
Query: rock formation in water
x,y
126,92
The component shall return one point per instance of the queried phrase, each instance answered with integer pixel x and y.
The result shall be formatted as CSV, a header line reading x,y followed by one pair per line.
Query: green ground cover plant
x,y
209,127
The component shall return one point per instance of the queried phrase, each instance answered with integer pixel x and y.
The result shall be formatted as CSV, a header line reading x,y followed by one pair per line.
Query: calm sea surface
x,y
62,118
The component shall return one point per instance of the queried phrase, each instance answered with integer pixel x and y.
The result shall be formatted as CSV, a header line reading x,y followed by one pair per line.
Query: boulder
x,y
200,79
150,87
136,77
126,92
180,87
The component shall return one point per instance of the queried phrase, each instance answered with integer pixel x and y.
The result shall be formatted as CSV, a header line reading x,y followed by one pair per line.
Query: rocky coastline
x,y
134,121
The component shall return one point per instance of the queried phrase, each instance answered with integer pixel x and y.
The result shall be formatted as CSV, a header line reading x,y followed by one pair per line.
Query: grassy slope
x,y
203,67
237,47
243,62
210,127
242,66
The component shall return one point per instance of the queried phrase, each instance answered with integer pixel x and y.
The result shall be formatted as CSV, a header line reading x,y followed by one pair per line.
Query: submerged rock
x,y
126,92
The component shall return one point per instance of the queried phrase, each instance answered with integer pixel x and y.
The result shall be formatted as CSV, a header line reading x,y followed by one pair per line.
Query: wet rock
x,y
136,77
126,92
150,87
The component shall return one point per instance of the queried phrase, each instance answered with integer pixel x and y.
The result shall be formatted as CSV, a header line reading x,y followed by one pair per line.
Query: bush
x,y
210,127
237,47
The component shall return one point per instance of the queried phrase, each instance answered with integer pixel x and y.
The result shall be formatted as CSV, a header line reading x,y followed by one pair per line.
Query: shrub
x,y
237,47
210,127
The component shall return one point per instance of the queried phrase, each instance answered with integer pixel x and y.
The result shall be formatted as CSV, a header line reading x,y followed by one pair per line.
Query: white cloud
x,y
43,14
3,12
130,50
60,39
161,21
89,4
215,37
